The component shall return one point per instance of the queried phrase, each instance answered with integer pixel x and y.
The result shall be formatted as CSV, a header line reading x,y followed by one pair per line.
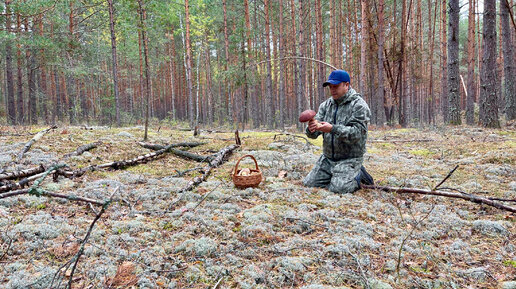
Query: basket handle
x,y
238,162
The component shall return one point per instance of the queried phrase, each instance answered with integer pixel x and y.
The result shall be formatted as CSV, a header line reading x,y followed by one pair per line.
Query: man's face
x,y
338,90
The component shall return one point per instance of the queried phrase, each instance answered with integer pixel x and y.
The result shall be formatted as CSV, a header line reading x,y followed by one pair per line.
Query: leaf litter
x,y
279,234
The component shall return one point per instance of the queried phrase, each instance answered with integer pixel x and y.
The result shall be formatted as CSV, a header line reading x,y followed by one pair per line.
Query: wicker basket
x,y
252,180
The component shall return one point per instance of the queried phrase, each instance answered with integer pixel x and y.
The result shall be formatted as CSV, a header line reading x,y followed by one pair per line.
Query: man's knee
x,y
343,187
312,181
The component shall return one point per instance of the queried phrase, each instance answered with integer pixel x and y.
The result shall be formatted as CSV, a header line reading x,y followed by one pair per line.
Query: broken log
x,y
20,184
181,144
44,193
181,153
467,197
28,145
217,161
22,173
116,164
84,148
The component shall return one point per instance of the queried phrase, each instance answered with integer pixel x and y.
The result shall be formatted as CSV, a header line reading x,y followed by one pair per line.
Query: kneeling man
x,y
343,121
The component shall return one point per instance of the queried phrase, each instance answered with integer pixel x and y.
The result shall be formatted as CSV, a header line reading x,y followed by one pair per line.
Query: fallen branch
x,y
84,148
182,173
400,251
25,181
83,244
22,173
180,153
181,144
489,198
29,144
217,161
467,197
43,193
444,180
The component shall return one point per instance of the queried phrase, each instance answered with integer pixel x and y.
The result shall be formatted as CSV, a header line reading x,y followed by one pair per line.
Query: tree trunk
x,y
268,93
431,98
363,46
115,63
11,110
250,56
281,69
141,80
30,57
43,91
189,66
295,68
320,52
380,92
471,86
402,65
172,64
143,18
227,86
444,62
508,59
488,80
301,99
20,111
70,80
453,63
58,106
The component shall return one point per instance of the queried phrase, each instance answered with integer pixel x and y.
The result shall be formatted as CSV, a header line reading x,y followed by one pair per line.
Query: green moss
x,y
506,133
169,226
41,206
420,270
510,263
422,152
385,145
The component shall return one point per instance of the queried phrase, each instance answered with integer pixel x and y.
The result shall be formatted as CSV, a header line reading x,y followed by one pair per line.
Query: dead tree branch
x,y
181,153
489,198
444,180
182,173
83,244
217,161
22,173
43,193
400,251
28,145
84,148
467,197
181,144
22,183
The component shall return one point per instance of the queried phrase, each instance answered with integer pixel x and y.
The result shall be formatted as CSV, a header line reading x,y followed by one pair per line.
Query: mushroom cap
x,y
307,115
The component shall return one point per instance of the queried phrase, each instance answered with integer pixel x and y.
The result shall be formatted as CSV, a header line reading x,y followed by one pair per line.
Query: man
x,y
342,120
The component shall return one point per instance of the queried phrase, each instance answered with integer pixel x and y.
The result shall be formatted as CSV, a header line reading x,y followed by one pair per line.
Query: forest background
x,y
255,63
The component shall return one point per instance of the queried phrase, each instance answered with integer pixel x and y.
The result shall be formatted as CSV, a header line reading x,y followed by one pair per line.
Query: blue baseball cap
x,y
336,77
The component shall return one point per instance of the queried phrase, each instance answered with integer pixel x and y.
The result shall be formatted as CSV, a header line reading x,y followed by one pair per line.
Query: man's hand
x,y
325,126
314,125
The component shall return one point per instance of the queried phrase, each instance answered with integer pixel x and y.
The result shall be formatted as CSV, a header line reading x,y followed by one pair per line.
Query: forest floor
x,y
278,235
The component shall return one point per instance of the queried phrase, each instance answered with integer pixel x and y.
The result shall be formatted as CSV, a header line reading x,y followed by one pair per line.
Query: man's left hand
x,y
325,126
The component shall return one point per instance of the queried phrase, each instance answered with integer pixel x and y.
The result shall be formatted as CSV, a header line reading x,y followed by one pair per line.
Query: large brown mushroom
x,y
307,115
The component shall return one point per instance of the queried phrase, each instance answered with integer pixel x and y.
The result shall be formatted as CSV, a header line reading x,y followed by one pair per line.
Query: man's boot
x,y
365,177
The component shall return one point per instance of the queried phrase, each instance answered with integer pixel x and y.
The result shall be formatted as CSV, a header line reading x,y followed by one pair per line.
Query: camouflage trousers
x,y
336,176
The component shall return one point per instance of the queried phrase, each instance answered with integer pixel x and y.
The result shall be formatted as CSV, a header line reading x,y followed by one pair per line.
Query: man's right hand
x,y
313,125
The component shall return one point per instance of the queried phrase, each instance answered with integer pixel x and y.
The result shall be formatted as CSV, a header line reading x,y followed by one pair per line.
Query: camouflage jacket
x,y
350,117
